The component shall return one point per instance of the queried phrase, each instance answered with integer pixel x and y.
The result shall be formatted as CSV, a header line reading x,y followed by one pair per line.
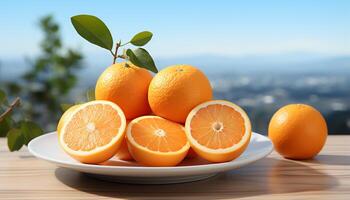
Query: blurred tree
x,y
46,85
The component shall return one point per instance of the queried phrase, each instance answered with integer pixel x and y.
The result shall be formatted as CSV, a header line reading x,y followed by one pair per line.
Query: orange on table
x,y
127,86
93,132
176,90
218,130
298,131
154,141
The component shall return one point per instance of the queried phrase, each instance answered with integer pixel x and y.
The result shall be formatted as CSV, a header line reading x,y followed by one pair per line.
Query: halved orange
x,y
218,130
65,116
93,132
155,141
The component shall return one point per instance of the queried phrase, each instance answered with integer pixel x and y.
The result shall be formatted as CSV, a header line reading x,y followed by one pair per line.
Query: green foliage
x,y
141,38
15,139
30,130
2,97
5,126
18,133
140,57
51,77
95,31
42,89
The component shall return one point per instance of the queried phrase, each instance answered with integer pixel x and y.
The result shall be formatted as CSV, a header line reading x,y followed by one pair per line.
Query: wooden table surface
x,y
22,176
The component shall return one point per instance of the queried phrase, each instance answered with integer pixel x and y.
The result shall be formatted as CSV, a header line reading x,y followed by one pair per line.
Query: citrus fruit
x,y
298,131
64,117
175,90
123,152
125,85
155,141
93,132
218,130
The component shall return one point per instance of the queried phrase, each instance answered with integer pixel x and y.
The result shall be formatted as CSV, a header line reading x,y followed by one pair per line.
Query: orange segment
x,y
218,130
92,133
155,141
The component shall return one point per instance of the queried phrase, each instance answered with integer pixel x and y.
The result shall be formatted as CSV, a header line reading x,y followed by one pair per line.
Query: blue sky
x,y
189,28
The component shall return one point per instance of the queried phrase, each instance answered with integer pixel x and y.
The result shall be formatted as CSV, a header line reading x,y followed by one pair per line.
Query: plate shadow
x,y
267,176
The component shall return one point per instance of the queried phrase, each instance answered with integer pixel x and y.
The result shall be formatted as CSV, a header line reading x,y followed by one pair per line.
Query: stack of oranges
x,y
157,121
160,120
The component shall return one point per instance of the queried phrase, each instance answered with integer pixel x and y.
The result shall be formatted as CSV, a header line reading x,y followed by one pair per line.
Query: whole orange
x,y
298,131
176,90
126,85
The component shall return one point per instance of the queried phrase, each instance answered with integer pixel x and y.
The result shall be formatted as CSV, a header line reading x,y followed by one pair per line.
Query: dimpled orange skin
x,y
176,90
298,131
125,86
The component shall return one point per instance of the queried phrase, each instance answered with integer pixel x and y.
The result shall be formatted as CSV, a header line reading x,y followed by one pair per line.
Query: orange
x,y
93,132
218,130
154,141
123,152
64,117
298,131
125,85
176,90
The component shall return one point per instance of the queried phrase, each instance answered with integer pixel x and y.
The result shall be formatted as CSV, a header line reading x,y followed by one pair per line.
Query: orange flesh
x,y
92,127
217,126
159,135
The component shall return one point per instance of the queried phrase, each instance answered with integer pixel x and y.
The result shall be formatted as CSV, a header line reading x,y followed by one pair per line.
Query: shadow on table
x,y
331,160
267,176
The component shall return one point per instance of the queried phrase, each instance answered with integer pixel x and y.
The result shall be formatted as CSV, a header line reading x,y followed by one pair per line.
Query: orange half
x,y
93,132
154,141
218,130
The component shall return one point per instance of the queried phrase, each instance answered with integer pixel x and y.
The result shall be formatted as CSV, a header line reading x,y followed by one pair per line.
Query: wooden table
x,y
22,176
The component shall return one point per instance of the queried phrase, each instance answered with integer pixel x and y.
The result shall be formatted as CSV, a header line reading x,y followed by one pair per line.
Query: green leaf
x,y
30,130
141,58
5,126
66,106
93,30
15,139
141,38
90,94
3,97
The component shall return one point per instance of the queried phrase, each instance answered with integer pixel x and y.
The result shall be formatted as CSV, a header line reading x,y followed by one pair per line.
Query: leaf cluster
x,y
18,132
96,32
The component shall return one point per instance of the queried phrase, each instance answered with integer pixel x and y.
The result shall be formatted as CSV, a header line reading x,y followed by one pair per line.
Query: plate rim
x,y
205,168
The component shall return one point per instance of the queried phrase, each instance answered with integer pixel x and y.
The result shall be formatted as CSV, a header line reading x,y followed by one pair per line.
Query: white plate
x,y
47,148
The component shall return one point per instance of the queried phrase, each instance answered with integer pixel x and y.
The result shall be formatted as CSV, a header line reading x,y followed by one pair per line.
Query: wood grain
x,y
22,176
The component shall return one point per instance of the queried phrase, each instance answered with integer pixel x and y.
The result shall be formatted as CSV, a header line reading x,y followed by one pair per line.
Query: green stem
x,y
115,54
125,44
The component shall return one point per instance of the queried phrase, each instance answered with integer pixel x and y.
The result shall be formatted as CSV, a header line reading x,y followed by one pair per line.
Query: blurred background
x,y
259,54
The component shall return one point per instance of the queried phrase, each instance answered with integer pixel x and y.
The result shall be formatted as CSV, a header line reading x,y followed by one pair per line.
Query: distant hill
x,y
266,63
212,64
